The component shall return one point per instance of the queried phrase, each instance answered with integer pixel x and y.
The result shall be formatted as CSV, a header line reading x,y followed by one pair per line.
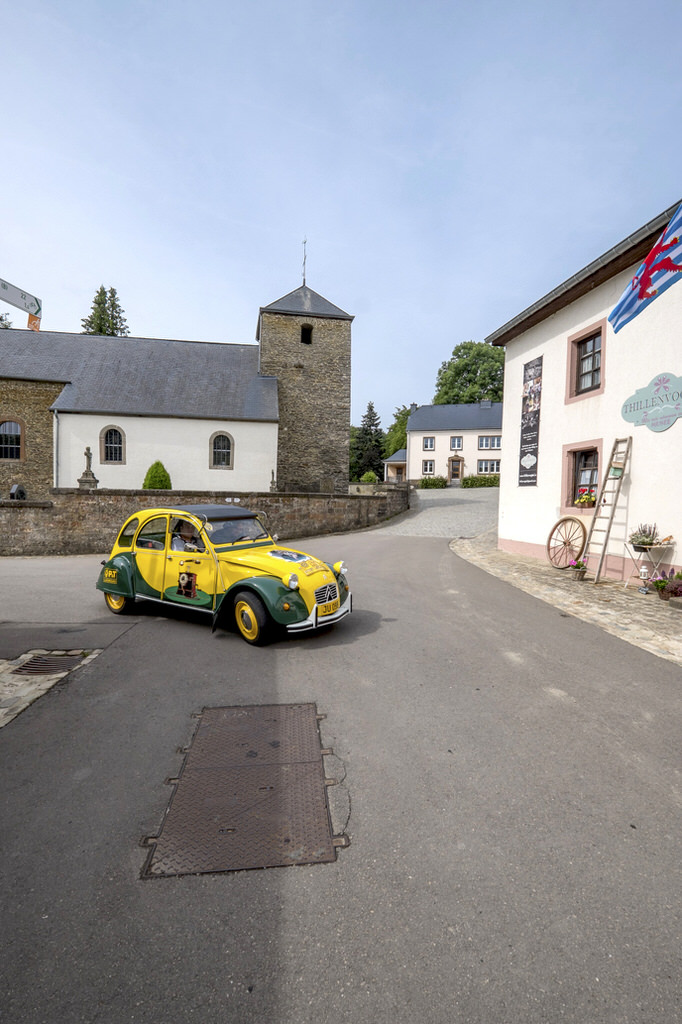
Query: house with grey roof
x,y
573,387
220,417
454,441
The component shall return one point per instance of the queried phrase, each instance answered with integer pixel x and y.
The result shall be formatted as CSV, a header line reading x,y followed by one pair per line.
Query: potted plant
x,y
579,568
585,499
659,584
645,536
673,587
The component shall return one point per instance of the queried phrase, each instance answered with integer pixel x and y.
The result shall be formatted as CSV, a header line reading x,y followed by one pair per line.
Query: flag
x,y
661,268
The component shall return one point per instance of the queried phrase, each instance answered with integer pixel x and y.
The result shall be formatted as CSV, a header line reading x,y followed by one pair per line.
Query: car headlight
x,y
340,568
291,581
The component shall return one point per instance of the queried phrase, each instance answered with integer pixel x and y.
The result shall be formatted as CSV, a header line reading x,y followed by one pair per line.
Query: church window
x,y
221,451
112,449
11,437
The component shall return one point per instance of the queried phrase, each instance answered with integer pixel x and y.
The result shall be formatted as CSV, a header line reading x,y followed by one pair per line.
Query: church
x,y
274,415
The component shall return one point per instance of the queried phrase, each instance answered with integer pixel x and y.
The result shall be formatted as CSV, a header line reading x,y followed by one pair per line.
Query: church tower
x,y
305,342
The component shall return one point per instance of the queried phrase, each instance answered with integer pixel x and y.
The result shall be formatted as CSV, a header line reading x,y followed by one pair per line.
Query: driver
x,y
185,538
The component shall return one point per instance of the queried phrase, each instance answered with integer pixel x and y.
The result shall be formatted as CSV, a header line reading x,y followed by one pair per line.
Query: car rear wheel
x,y
118,603
251,618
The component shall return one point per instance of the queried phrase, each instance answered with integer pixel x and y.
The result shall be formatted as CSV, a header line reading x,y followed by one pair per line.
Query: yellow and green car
x,y
222,560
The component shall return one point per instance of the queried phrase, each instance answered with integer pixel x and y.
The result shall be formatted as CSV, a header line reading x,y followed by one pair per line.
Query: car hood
x,y
276,561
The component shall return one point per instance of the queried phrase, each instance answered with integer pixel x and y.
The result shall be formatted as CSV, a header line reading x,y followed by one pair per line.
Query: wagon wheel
x,y
566,541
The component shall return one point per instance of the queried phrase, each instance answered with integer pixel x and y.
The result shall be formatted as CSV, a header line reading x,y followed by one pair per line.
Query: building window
x,y
588,364
221,451
429,444
488,466
586,473
491,441
306,334
112,446
455,443
585,369
427,467
11,436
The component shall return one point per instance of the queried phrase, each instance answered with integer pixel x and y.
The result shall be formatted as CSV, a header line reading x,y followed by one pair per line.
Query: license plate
x,y
327,609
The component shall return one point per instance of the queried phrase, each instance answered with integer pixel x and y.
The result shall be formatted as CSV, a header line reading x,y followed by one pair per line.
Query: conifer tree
x,y
5,320
367,446
106,315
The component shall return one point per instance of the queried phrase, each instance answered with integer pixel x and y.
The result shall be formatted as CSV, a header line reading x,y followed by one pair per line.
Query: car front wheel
x,y
118,604
251,617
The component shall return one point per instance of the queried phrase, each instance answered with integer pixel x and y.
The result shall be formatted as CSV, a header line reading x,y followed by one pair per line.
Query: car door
x,y
189,574
150,555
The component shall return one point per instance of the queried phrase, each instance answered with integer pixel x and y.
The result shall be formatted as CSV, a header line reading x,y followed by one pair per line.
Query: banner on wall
x,y
530,423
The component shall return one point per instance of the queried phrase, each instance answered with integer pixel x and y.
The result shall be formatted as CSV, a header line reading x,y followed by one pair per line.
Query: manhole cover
x,y
251,794
47,665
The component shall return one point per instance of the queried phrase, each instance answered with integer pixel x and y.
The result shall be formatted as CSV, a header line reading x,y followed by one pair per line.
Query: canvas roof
x,y
143,376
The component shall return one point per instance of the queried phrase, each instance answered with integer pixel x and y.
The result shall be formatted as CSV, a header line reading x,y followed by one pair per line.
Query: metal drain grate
x,y
48,665
251,794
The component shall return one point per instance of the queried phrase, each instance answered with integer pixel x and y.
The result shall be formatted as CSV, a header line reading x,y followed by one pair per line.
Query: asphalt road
x,y
511,787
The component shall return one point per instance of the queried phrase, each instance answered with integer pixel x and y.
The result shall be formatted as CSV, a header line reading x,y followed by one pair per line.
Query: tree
x,y
5,320
396,435
157,478
106,315
367,445
475,371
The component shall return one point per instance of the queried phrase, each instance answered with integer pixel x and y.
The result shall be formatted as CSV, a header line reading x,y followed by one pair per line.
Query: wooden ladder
x,y
607,500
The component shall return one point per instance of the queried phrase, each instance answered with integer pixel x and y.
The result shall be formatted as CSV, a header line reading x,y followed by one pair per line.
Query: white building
x,y
572,386
453,441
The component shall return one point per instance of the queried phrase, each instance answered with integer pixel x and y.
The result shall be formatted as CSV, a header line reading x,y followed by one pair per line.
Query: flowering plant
x,y
577,563
659,582
645,535
585,497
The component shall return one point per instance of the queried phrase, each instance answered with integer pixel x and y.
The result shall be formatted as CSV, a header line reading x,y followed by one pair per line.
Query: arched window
x,y
11,436
306,334
112,446
221,453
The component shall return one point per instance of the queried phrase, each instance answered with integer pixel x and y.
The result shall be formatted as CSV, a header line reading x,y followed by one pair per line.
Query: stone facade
x,y
314,398
28,403
87,522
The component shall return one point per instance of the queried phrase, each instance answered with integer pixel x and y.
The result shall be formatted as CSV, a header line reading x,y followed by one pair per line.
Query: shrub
x,y
673,588
433,481
157,478
369,477
489,480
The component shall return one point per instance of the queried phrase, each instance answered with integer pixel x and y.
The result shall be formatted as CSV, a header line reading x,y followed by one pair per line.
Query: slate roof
x,y
475,416
399,456
143,376
304,301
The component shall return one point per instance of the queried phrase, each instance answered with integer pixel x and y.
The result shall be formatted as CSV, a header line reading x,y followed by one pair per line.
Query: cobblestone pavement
x,y
468,519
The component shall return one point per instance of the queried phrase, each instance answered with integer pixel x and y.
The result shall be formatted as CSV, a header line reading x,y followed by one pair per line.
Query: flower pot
x,y
579,574
642,547
663,596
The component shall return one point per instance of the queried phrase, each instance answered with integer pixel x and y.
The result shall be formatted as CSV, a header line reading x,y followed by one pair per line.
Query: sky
x,y
447,163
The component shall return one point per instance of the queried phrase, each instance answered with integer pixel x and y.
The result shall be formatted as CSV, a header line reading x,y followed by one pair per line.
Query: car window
x,y
184,536
153,534
229,531
126,535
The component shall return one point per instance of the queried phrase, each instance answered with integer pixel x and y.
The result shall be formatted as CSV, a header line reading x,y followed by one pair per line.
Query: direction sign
x,y
20,299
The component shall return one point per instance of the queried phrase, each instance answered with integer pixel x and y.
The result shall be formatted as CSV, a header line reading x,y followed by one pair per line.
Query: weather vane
x,y
305,241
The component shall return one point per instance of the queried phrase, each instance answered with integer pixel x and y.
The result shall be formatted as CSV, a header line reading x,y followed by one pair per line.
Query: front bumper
x,y
315,621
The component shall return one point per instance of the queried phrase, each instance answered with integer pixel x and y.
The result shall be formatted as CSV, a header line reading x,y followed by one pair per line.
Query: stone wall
x,y
81,522
27,402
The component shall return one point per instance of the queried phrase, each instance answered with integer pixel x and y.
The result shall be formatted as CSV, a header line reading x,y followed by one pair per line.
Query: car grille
x,y
326,593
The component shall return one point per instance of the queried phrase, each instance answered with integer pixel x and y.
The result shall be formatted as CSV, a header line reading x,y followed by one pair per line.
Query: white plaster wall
x,y
646,347
181,445
442,452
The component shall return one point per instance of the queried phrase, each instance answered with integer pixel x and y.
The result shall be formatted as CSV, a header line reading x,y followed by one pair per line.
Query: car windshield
x,y
229,531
